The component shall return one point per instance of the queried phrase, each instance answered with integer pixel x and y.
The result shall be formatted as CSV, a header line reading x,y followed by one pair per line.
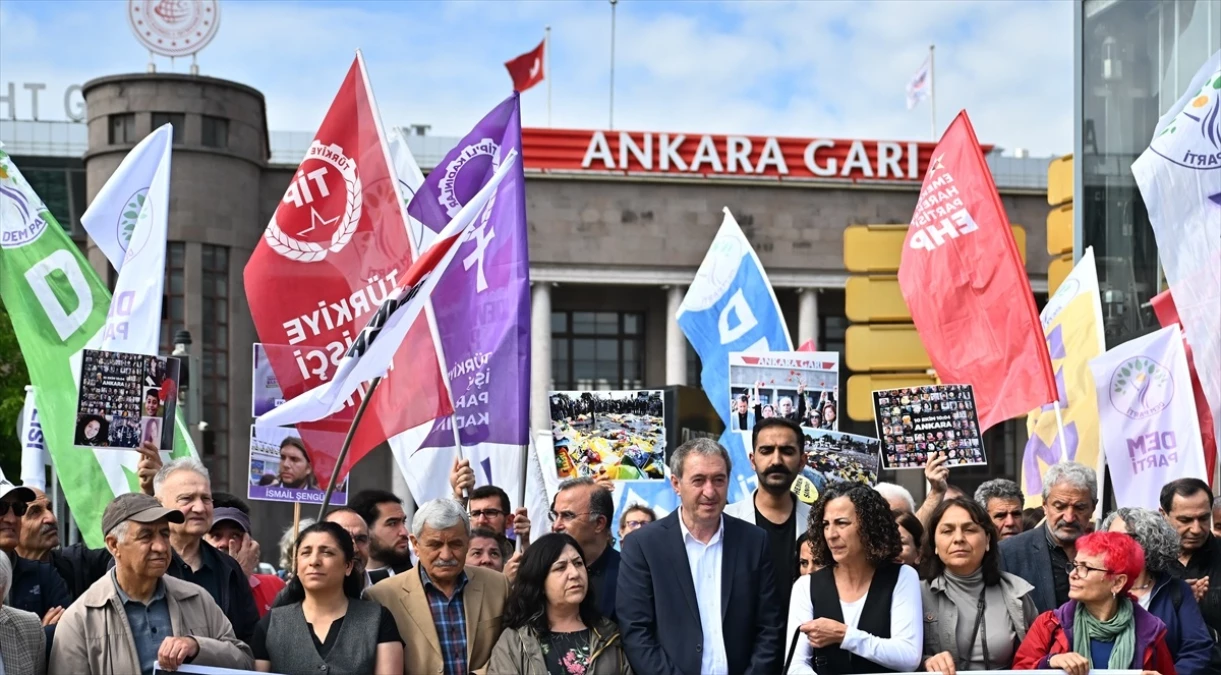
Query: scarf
x,y
1120,630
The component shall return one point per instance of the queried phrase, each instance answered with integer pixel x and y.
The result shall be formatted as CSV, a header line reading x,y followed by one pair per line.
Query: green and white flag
x,y
58,308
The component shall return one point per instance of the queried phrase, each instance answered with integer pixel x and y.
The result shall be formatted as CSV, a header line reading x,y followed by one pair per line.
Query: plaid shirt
x,y
449,616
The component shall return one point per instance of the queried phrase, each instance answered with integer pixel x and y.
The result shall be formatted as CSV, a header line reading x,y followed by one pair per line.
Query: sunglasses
x,y
19,508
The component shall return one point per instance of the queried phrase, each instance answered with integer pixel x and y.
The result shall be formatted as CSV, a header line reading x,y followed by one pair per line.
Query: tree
x,y
13,379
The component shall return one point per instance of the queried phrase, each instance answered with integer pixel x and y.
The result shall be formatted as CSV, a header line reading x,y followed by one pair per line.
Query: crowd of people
x,y
862,581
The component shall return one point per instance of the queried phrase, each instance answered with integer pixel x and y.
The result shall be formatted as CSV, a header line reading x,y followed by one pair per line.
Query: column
x,y
807,316
676,342
540,356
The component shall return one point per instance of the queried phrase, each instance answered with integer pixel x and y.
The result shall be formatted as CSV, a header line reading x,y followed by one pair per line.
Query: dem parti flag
x,y
964,282
58,308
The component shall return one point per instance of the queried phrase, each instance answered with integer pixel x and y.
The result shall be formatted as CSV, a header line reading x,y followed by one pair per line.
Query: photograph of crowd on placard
x,y
620,435
840,456
126,400
282,468
802,386
915,423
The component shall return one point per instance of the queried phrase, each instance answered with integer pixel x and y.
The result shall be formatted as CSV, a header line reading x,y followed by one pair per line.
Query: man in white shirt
x,y
679,578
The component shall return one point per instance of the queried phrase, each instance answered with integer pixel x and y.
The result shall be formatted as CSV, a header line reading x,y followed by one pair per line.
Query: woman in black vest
x,y
348,635
860,613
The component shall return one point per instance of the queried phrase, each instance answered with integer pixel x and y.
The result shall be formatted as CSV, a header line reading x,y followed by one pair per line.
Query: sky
x,y
818,68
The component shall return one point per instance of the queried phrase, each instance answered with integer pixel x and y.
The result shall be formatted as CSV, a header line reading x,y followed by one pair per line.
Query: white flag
x,y
1180,179
34,455
408,179
1150,430
374,348
921,82
134,322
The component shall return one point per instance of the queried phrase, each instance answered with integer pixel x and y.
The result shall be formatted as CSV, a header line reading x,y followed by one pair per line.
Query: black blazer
x,y
657,611
1026,555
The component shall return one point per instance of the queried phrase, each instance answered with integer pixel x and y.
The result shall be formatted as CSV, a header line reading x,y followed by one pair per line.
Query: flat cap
x,y
139,507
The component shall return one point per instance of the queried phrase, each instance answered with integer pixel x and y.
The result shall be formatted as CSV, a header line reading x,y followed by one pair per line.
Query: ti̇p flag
x,y
527,69
964,282
336,249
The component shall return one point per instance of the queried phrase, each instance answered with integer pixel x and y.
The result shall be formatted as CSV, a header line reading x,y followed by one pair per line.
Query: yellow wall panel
x,y
1057,271
861,388
876,249
873,299
1060,230
1060,180
882,347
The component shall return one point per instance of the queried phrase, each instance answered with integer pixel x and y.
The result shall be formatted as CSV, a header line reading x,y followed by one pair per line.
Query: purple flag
x,y
482,311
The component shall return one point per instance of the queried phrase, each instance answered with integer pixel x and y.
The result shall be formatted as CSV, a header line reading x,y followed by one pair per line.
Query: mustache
x,y
1069,524
446,563
778,470
48,529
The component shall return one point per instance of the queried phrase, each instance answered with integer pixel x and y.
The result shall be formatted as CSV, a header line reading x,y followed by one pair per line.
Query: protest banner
x,y
34,456
619,435
1149,427
802,386
915,423
265,392
281,468
126,400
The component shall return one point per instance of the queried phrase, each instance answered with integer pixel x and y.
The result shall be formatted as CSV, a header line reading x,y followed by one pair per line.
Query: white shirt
x,y
901,651
705,563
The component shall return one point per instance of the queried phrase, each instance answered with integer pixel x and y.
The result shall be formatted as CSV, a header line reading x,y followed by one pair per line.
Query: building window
x,y
123,128
179,121
597,350
215,345
173,303
215,132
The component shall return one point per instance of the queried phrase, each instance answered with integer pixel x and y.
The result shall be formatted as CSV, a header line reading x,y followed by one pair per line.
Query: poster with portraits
x,y
281,469
620,435
839,456
802,386
915,423
126,400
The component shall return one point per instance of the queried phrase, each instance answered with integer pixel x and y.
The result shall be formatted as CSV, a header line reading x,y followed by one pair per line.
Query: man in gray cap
x,y
136,615
36,586
230,534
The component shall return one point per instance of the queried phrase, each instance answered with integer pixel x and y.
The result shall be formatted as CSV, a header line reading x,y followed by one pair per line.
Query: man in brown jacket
x,y
136,616
448,614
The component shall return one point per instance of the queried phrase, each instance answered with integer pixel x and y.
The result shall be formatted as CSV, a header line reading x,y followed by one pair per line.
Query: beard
x,y
387,555
766,481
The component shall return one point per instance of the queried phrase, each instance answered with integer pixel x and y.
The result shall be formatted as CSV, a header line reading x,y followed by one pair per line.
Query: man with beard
x,y
296,469
1186,504
778,457
389,547
1041,555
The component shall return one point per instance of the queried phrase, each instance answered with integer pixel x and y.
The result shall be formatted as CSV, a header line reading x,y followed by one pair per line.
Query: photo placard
x,y
914,423
802,386
840,456
281,469
617,434
125,400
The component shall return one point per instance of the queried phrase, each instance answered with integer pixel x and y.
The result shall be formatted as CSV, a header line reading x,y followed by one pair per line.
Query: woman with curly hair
x,y
1100,627
1158,590
551,620
860,613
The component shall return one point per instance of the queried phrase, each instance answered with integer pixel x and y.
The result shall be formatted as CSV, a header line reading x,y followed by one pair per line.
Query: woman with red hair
x,y
1100,626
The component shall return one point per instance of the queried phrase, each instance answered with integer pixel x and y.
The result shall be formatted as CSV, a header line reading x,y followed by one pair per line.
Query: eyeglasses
x,y
636,524
360,539
1083,570
487,513
565,516
19,508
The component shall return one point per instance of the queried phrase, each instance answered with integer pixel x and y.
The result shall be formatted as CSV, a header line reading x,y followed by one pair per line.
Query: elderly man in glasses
x,y
585,510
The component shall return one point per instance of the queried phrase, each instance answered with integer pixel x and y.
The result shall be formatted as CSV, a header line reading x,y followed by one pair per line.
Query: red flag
x,y
335,248
967,290
1167,315
808,346
527,69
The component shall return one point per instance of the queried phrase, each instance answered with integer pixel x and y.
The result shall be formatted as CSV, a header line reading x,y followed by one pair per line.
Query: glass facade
x,y
215,345
173,305
1135,57
60,182
597,350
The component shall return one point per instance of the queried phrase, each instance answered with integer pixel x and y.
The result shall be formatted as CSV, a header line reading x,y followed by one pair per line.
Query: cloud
x,y
828,69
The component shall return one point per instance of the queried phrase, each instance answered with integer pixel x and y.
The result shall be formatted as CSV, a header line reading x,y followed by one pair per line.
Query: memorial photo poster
x,y
265,391
840,456
617,434
802,386
914,423
281,469
126,400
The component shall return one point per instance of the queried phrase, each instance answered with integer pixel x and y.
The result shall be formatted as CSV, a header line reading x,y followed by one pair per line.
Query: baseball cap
x,y
233,515
139,507
21,492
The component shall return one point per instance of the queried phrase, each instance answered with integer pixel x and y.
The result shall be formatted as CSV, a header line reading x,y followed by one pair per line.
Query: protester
x,y
805,556
487,549
1002,499
778,457
288,542
635,517
1032,518
897,497
1165,596
1100,626
1217,517
1186,504
442,598
585,510
184,485
23,643
569,634
168,621
389,545
296,467
680,576
860,613
911,537
349,635
1041,556
230,534
489,505
358,530
35,586
962,576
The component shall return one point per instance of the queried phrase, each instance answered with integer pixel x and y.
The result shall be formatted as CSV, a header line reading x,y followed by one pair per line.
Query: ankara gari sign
x,y
639,153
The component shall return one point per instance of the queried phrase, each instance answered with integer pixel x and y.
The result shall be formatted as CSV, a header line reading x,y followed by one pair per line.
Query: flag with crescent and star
x,y
527,70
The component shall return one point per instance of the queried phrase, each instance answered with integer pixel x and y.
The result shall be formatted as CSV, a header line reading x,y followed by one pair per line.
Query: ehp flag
x,y
58,308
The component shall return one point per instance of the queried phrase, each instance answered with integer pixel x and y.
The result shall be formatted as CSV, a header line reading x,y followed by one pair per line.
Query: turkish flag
x,y
964,282
336,247
527,69
1168,315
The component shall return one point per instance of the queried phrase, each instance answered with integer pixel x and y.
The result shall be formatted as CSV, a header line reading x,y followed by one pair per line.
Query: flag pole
x,y
612,66
547,68
932,92
347,443
1060,435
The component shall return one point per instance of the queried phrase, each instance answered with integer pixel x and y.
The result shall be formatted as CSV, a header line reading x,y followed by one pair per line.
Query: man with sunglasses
x,y
585,510
36,586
